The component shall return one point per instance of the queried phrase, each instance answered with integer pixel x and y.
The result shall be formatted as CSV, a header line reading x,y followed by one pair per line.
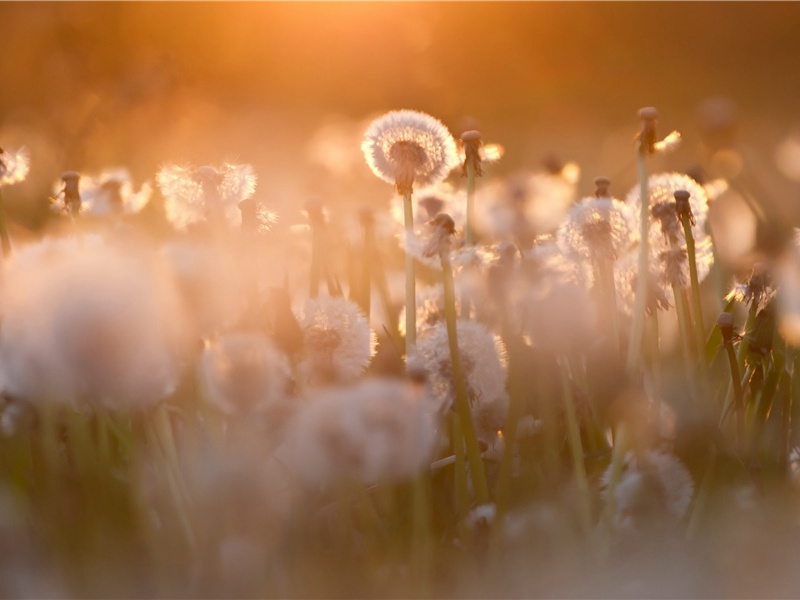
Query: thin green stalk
x,y
461,486
411,292
576,448
737,395
685,330
637,328
697,305
460,384
615,473
470,233
786,408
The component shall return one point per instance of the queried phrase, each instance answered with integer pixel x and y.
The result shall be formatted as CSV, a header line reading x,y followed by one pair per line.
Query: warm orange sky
x,y
88,84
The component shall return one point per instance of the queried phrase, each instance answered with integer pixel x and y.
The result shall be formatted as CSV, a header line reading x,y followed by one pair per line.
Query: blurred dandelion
x,y
666,227
213,194
338,343
483,361
112,192
90,321
597,229
66,199
244,373
14,166
655,487
374,431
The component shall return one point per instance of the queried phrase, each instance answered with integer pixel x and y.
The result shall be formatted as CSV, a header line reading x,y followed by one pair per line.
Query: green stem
x,y
411,292
737,395
697,305
576,448
470,233
460,384
786,408
637,328
685,329
461,487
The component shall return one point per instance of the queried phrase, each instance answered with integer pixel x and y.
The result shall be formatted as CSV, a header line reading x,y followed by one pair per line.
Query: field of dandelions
x,y
488,387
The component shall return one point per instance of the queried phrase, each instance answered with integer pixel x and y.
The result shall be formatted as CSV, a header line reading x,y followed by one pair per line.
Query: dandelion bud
x,y
683,205
472,144
725,324
442,227
647,136
601,187
72,195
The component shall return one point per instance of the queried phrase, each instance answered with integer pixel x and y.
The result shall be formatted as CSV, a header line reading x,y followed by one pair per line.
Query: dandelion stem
x,y
697,305
411,293
786,408
576,448
461,487
470,233
462,400
738,396
637,328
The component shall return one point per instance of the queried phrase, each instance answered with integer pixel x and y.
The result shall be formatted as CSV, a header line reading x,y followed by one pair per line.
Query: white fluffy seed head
x,y
374,431
483,361
89,320
407,148
197,194
244,373
338,343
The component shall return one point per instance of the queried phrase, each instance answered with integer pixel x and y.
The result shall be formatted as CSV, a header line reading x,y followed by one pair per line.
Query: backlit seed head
x,y
14,166
407,148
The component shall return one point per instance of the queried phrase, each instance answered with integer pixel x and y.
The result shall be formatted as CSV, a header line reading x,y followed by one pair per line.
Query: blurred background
x,y
290,87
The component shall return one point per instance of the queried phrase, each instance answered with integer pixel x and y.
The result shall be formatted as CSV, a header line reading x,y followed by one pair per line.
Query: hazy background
x,y
288,87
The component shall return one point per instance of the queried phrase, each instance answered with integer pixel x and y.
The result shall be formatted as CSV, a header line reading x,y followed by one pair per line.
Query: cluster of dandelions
x,y
255,419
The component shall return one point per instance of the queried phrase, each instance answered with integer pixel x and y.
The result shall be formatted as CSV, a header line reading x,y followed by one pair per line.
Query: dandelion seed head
x,y
407,148
244,373
90,320
338,343
196,194
374,431
597,228
14,166
211,281
483,362
655,486
112,192
662,188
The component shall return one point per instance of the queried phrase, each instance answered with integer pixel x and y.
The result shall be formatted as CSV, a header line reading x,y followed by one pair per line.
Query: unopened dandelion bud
x,y
72,195
725,324
442,227
601,187
683,205
472,145
647,135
